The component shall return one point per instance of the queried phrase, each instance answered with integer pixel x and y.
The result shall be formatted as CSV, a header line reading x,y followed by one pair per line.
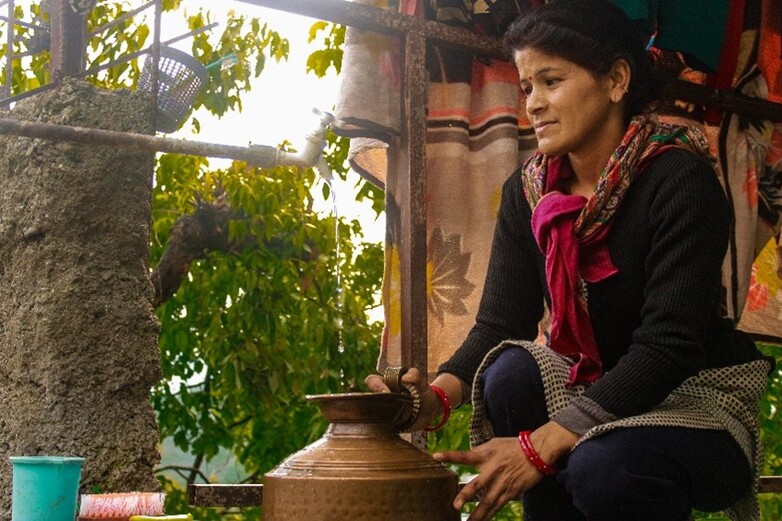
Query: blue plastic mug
x,y
45,488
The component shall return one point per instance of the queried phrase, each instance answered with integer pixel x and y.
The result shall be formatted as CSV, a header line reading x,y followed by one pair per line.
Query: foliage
x,y
112,43
252,333
31,71
330,53
771,434
262,325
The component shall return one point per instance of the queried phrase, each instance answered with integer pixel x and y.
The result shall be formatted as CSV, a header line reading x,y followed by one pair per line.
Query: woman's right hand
x,y
430,404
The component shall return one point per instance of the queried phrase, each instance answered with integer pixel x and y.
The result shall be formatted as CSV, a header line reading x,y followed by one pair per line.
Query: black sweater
x,y
656,322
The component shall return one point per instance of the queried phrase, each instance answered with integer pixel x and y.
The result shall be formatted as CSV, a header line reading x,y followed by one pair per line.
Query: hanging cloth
x,y
770,48
476,136
696,28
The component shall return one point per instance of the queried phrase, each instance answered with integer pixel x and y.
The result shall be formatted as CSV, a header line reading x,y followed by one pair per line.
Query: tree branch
x,y
195,235
192,237
179,469
195,471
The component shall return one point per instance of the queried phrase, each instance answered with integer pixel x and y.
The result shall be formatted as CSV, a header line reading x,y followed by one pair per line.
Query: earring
x,y
616,98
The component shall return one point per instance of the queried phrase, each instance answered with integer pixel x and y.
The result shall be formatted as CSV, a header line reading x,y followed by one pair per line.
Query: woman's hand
x,y
377,383
504,472
430,405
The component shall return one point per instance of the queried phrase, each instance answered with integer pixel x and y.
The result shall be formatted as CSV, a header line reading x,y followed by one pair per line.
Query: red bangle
x,y
533,456
445,403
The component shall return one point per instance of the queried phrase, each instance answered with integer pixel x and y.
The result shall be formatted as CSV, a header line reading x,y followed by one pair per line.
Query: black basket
x,y
180,78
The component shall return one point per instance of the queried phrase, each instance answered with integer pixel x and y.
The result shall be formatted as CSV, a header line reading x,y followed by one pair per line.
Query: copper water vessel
x,y
361,469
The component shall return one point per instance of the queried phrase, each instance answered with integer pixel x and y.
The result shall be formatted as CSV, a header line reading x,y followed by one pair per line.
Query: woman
x,y
644,403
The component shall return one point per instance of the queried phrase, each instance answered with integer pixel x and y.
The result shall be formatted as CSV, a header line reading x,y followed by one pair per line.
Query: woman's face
x,y
570,108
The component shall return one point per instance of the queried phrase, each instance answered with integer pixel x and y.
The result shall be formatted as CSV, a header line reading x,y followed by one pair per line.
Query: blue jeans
x,y
633,474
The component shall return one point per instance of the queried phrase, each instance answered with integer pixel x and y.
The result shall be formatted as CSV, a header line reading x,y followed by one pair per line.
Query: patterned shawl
x,y
571,231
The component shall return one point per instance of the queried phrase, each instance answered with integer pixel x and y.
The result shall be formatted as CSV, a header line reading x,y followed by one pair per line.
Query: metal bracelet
x,y
412,390
393,379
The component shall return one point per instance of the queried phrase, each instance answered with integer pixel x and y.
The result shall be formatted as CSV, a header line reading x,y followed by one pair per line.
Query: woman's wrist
x,y
533,457
552,441
445,408
437,400
452,385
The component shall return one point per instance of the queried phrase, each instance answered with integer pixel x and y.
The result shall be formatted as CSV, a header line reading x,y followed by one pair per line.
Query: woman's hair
x,y
592,34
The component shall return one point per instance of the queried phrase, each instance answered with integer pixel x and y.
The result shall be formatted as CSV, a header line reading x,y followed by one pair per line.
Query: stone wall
x,y
78,335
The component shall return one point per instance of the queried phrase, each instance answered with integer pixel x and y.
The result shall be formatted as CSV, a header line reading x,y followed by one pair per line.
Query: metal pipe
x,y
312,150
22,23
9,53
257,155
384,21
155,70
262,156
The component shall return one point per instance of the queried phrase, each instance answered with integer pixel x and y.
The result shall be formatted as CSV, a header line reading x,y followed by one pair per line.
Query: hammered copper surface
x,y
360,469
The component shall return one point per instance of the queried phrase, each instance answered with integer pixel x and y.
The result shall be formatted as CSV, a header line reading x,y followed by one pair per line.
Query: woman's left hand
x,y
503,474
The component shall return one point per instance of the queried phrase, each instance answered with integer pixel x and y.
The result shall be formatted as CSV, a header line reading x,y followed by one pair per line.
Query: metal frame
x,y
251,495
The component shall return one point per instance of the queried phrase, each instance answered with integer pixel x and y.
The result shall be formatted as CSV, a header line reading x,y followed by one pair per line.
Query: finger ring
x,y
393,377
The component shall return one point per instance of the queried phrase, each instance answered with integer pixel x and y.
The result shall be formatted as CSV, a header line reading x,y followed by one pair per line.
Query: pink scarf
x,y
571,231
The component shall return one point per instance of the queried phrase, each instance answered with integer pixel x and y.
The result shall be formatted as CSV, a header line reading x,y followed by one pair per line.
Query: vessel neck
x,y
375,430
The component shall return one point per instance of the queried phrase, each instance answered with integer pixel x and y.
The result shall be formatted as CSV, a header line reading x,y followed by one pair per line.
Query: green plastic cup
x,y
45,488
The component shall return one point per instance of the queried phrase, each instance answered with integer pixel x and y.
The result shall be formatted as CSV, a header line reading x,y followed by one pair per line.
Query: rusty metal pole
x,y
411,192
412,196
155,71
9,55
69,40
